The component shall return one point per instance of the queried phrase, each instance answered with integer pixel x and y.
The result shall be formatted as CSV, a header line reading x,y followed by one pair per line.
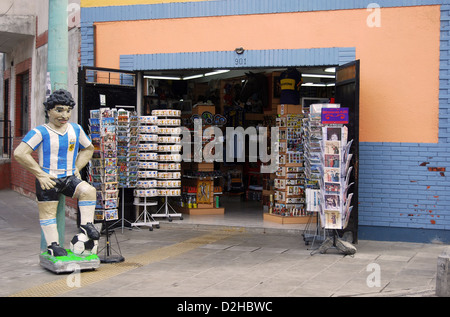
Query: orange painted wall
x,y
399,96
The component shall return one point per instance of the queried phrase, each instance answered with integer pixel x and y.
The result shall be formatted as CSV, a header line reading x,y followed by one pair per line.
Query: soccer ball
x,y
82,245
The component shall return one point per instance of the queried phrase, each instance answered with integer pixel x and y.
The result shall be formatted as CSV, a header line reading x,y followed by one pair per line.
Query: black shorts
x,y
65,185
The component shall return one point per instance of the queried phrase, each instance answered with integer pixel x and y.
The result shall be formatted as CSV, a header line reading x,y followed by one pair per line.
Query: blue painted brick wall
x,y
399,185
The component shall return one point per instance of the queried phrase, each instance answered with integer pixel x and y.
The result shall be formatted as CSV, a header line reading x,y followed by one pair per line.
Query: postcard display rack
x,y
312,140
168,178
289,183
103,165
335,200
103,174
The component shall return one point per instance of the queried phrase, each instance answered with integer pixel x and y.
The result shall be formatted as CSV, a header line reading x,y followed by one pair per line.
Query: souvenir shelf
x,y
145,191
268,179
200,194
289,183
168,180
103,165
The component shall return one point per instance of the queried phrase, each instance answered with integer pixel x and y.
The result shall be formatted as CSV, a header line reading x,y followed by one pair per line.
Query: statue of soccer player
x,y
63,150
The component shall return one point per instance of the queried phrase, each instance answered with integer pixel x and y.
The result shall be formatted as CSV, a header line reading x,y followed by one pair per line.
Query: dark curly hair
x,y
58,97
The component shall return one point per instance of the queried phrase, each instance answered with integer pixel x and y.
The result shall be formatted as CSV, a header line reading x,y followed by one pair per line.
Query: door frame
x,y
348,81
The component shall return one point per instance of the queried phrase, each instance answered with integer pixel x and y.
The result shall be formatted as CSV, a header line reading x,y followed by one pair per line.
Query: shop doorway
x,y
244,190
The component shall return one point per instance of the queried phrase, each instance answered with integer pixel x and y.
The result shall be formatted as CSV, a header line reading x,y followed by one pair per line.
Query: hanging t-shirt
x,y
290,81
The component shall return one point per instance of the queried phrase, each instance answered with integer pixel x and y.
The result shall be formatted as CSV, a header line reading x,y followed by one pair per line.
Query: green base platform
x,y
69,263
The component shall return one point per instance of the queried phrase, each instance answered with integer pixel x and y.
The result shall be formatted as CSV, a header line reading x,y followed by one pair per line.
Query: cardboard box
x,y
289,220
202,108
289,109
206,167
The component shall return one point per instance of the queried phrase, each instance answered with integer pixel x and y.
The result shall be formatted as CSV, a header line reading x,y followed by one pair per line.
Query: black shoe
x,y
89,230
55,250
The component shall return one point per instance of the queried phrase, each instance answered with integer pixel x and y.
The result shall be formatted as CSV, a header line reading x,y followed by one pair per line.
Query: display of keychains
x,y
169,158
169,149
147,160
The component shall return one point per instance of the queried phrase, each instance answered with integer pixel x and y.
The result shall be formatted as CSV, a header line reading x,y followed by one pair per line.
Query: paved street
x,y
183,260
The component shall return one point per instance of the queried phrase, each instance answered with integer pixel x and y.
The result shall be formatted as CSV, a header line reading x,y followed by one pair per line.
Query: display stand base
x,y
108,257
69,263
167,212
287,219
145,219
334,242
313,232
112,259
201,211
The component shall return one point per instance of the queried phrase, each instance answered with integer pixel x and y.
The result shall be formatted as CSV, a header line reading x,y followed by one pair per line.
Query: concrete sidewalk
x,y
180,259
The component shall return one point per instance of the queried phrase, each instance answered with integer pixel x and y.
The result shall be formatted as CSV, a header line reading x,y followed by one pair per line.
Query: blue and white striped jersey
x,y
57,152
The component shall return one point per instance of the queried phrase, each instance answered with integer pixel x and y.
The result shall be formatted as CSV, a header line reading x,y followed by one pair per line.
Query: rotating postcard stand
x,y
335,199
313,232
103,175
127,163
147,172
169,158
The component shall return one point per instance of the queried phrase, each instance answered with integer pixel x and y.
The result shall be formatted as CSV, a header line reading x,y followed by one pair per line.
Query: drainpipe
x,y
57,65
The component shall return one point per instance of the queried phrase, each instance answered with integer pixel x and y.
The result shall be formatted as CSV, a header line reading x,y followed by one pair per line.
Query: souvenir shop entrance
x,y
222,192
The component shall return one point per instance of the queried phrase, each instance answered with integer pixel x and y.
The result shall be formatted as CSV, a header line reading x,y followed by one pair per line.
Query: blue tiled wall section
x,y
404,185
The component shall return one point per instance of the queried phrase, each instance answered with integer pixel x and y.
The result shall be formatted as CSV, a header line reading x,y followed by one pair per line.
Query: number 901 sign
x,y
240,61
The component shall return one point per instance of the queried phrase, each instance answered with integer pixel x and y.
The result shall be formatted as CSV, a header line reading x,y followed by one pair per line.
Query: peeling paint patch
x,y
436,169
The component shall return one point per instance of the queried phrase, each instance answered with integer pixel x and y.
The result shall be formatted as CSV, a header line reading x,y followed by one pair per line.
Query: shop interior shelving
x,y
200,192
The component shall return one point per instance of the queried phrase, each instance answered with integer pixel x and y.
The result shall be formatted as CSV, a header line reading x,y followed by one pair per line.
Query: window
x,y
22,104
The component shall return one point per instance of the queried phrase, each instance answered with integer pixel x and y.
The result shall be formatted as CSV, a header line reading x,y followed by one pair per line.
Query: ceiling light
x,y
330,69
162,77
217,72
314,85
318,76
193,77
